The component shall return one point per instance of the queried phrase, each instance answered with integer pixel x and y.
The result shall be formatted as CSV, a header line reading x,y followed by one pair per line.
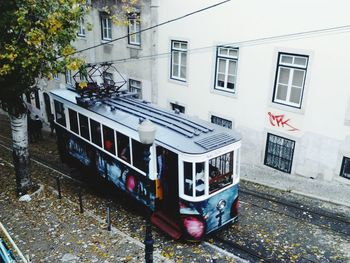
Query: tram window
x,y
60,116
200,179
73,121
108,139
123,147
84,126
138,155
188,179
220,172
96,132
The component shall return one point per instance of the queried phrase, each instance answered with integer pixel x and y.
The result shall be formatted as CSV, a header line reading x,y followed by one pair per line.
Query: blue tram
x,y
191,186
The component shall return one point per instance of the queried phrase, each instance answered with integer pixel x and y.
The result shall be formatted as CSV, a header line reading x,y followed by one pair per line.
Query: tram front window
x,y
198,182
220,172
188,179
200,179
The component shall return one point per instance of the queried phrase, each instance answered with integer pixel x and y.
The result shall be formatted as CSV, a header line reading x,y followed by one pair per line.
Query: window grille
x,y
279,153
221,121
345,168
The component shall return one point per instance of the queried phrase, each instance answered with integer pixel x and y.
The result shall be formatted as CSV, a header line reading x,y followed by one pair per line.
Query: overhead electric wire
x,y
151,27
251,42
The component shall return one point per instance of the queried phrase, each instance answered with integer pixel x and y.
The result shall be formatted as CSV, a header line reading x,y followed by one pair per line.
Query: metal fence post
x,y
81,201
108,218
59,187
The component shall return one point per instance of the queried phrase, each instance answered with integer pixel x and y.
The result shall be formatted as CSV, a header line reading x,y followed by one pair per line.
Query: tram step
x,y
166,224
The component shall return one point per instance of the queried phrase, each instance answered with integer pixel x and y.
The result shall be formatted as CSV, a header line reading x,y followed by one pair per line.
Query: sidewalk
x,y
329,191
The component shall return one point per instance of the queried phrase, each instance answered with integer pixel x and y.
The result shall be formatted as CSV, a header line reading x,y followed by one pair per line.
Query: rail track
x,y
278,205
318,217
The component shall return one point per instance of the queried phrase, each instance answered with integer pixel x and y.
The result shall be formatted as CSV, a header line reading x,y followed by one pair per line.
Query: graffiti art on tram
x,y
125,178
210,214
78,150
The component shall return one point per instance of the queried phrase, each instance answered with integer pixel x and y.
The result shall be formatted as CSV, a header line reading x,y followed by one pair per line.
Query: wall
x,y
322,123
135,68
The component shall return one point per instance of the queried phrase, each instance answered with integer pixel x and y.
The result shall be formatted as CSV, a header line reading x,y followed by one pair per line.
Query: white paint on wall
x,y
325,107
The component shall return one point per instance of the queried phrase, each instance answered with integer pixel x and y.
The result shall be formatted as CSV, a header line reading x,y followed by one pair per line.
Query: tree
x,y
35,42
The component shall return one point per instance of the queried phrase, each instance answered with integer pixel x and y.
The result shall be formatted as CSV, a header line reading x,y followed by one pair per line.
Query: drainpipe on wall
x,y
154,50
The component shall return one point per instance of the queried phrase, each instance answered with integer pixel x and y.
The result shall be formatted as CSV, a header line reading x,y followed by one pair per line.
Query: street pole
x,y
147,132
148,238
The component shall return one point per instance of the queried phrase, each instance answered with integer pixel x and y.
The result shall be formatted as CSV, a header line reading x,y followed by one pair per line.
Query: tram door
x,y
168,197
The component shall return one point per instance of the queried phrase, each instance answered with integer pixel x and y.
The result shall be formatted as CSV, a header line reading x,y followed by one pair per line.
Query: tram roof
x,y
179,131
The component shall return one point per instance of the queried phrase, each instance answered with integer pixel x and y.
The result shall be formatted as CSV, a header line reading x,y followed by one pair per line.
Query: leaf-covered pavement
x,y
276,236
53,230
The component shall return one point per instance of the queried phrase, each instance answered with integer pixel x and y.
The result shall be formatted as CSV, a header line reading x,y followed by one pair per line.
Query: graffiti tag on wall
x,y
281,121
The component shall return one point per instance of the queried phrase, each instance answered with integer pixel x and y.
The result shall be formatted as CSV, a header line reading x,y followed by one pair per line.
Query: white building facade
x,y
275,70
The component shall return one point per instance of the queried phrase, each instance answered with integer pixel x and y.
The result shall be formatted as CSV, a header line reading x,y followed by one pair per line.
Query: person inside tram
x,y
160,161
125,153
160,168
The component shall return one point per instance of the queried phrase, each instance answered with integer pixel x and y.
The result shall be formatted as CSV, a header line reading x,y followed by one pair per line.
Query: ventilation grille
x,y
215,141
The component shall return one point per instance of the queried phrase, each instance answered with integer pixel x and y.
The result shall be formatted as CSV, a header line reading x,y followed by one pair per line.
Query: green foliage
x,y
33,34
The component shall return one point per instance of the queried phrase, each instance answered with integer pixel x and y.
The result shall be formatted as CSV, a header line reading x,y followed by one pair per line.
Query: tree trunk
x,y
20,153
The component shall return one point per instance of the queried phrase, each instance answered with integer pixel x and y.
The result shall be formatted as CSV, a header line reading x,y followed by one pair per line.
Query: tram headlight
x,y
221,205
194,226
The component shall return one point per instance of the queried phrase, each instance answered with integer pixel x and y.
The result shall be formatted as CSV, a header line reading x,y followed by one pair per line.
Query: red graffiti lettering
x,y
279,121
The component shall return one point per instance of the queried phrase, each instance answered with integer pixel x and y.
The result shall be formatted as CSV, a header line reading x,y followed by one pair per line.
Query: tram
x,y
191,182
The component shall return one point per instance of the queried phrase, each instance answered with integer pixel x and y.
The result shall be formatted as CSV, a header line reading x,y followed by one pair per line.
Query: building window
x,y
345,168
290,79
134,29
226,69
108,78
177,108
55,76
279,153
37,99
69,79
178,60
81,29
135,87
106,28
221,121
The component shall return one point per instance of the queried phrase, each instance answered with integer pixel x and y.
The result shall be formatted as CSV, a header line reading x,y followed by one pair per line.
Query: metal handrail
x,y
7,235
